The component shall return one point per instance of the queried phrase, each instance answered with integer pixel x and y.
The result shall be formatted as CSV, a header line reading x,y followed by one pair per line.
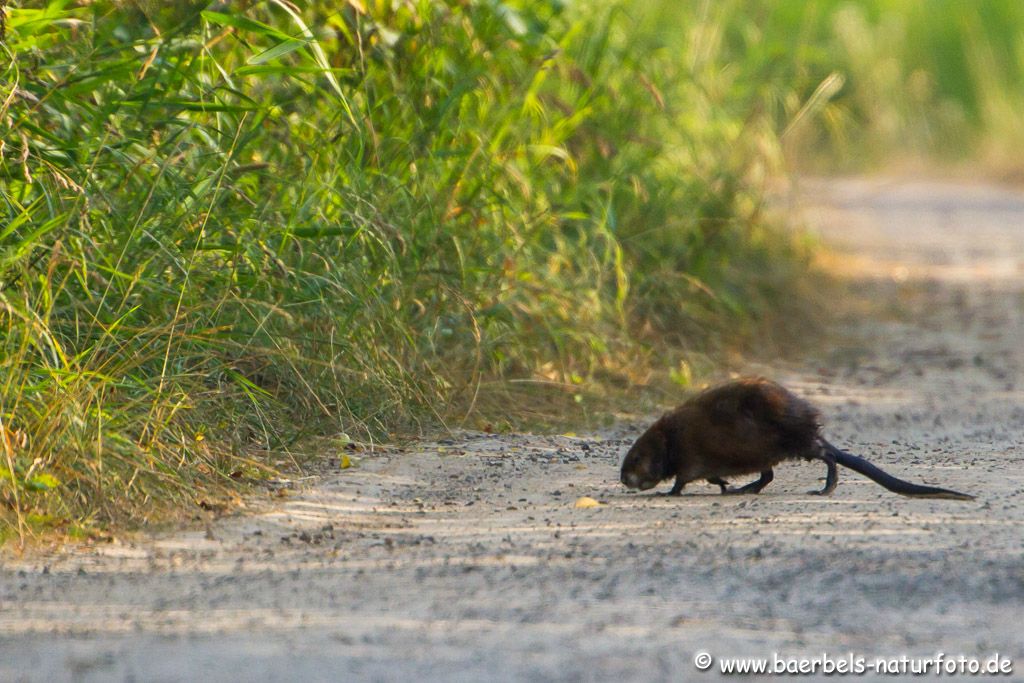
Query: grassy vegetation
x,y
226,227
926,79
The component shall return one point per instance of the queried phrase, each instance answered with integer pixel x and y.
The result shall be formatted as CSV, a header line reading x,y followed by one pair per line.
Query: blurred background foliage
x,y
226,227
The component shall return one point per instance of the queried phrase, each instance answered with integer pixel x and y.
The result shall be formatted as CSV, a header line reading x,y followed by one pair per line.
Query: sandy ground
x,y
466,559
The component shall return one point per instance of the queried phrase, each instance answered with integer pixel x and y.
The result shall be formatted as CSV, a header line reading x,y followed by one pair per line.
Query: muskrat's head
x,y
647,462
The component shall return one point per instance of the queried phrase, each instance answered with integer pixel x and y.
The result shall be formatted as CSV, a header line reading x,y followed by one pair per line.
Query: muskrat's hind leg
x,y
830,477
677,488
755,486
720,483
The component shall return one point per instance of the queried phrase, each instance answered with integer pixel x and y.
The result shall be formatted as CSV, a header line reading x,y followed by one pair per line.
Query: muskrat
x,y
746,427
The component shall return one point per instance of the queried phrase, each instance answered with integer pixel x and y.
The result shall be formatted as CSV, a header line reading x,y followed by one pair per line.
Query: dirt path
x,y
466,560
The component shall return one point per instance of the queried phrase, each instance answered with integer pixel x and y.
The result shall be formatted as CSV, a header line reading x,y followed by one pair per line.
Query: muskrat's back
x,y
744,426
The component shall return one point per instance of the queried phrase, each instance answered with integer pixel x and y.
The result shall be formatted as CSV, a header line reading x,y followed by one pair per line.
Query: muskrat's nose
x,y
630,479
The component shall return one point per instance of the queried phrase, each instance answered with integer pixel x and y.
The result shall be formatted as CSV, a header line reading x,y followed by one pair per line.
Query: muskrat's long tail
x,y
890,482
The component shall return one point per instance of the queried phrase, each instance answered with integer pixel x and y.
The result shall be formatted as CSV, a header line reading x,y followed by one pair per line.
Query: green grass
x,y
938,80
225,231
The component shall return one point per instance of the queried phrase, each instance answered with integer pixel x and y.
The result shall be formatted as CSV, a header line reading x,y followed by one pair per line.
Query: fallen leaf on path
x,y
586,502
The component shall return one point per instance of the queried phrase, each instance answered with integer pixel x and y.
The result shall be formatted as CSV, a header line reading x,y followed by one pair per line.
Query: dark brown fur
x,y
744,427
